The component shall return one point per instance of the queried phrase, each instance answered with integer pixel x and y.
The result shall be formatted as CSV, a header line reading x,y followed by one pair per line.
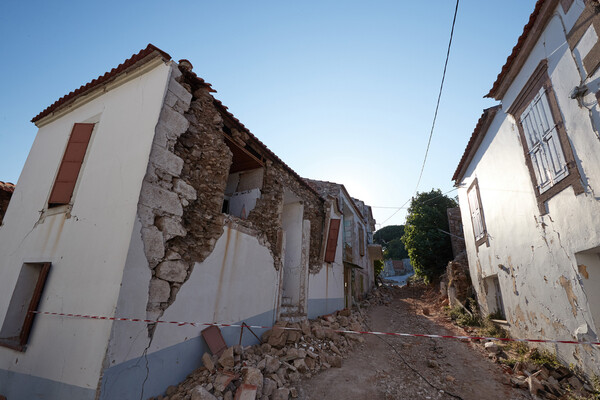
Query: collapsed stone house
x,y
6,191
528,184
144,197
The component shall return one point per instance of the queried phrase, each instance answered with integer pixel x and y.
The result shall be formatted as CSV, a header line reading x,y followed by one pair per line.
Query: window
x,y
332,240
548,153
361,240
25,299
479,229
70,165
541,135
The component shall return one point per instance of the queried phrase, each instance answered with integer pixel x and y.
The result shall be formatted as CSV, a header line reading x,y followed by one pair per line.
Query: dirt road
x,y
388,367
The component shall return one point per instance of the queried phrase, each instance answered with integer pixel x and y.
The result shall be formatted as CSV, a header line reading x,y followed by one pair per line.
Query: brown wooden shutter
x,y
71,164
332,239
33,304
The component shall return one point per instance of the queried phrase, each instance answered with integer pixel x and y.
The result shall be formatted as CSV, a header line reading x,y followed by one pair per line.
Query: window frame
x,y
541,80
484,238
56,198
21,343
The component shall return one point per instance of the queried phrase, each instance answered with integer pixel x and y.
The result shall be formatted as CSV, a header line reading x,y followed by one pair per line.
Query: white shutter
x,y
475,213
543,143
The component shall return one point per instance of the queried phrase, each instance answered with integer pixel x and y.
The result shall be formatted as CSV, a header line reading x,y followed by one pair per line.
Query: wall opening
x,y
588,264
494,301
25,299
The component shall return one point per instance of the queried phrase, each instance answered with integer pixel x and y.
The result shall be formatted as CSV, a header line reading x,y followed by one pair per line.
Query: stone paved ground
x,y
387,367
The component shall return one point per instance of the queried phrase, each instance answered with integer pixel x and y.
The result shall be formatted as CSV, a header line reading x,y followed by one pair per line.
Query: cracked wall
x,y
197,145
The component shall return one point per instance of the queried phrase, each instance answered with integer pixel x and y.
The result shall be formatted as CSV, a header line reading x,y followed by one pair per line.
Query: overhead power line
x,y
437,106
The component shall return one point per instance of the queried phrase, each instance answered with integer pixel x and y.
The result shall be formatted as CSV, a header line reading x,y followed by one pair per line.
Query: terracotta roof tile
x,y
130,62
475,140
515,51
7,186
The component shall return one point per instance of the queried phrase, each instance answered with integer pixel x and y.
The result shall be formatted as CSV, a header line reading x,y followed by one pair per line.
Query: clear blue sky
x,y
343,91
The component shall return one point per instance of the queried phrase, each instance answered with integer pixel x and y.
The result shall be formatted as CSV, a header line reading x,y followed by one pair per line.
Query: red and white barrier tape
x,y
196,324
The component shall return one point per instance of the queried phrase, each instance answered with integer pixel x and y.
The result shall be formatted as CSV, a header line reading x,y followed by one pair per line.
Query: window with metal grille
x,y
68,172
543,143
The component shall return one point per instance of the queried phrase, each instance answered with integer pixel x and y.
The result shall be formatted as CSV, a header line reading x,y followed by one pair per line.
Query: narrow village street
x,y
389,367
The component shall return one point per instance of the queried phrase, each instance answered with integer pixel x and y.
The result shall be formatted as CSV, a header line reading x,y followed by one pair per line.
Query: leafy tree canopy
x,y
388,233
428,247
389,238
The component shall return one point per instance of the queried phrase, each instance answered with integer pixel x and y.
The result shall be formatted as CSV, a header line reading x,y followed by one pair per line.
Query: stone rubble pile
x,y
269,371
546,381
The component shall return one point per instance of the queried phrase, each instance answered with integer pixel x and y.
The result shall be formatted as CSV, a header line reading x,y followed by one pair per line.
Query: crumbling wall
x,y
181,202
269,208
6,191
455,226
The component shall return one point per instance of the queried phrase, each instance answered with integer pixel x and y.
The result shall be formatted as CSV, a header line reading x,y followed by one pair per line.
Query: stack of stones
x,y
269,371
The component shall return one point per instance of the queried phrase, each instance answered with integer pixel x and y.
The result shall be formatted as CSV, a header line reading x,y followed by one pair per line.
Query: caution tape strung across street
x,y
197,324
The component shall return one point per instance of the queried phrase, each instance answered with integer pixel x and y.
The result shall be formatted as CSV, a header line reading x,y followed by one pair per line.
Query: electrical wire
x,y
439,97
435,114
425,202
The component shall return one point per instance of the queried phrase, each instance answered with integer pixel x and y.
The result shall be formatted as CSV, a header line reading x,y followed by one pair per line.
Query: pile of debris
x,y
268,371
548,380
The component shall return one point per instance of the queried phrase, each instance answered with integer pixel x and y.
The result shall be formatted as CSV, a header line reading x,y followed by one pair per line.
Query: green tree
x,y
389,238
428,247
395,250
388,233
378,267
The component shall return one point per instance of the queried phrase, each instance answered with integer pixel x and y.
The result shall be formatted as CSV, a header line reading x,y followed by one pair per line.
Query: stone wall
x,y
456,229
6,191
181,201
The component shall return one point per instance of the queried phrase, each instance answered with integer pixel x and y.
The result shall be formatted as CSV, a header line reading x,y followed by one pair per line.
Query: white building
x,y
350,254
529,180
143,197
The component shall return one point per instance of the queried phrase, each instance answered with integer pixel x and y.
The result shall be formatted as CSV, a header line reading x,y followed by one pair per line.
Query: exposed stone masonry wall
x,y
182,194
4,200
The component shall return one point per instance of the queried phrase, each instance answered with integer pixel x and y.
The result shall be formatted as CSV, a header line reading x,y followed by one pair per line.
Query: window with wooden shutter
x,y
332,240
62,191
26,297
544,146
548,152
479,229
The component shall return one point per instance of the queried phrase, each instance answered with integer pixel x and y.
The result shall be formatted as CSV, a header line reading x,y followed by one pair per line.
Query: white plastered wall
x,y
87,248
532,254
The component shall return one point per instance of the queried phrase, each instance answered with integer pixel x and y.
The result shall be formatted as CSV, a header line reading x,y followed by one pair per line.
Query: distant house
x,y
350,252
529,181
6,191
144,197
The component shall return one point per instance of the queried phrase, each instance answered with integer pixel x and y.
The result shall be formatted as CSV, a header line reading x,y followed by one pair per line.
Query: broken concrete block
x,y
154,245
281,394
159,291
175,122
269,386
222,380
184,190
246,392
199,393
272,364
157,198
253,376
226,360
300,365
176,89
208,362
166,161
146,215
172,271
170,227
492,347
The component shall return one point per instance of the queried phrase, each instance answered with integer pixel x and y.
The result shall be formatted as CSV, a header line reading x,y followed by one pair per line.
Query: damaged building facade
x,y
529,180
144,197
348,272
